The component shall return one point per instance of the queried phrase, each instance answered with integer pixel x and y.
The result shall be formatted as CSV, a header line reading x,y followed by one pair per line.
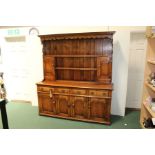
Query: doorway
x,y
17,69
136,69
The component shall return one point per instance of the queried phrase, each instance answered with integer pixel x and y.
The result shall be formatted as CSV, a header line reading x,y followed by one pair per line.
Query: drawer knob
x,y
104,94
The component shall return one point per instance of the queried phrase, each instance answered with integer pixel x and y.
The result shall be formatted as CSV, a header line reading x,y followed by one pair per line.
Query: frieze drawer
x,y
78,91
103,93
45,89
61,90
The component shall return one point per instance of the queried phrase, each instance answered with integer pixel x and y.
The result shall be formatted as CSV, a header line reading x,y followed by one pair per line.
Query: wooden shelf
x,y
151,61
150,86
77,56
149,109
148,89
68,68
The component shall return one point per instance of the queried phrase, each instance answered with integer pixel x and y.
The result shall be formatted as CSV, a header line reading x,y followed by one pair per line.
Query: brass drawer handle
x,y
105,94
84,105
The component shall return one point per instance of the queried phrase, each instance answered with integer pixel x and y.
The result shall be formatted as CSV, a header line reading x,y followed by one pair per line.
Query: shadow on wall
x,y
119,93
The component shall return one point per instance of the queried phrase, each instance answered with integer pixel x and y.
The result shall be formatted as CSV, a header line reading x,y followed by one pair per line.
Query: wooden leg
x,y
4,116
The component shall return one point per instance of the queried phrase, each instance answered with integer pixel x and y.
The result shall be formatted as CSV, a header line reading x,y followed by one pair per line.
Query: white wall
x,y
34,52
120,69
120,58
121,47
36,62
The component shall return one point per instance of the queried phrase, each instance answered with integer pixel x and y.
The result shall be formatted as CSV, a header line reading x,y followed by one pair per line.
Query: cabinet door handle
x,y
51,95
84,105
63,91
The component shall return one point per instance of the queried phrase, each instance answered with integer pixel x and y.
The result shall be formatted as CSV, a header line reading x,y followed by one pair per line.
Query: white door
x,y
136,69
17,69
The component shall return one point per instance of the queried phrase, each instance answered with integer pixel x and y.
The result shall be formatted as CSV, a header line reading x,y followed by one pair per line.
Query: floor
x,y
25,116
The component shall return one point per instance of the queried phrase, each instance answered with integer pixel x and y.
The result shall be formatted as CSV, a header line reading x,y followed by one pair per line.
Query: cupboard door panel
x,y
46,104
79,107
63,105
104,69
99,109
49,68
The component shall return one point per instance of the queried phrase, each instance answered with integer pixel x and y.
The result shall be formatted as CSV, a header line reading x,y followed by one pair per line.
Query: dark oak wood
x,y
77,76
104,69
76,68
76,56
79,107
99,109
49,68
76,36
45,85
46,103
62,105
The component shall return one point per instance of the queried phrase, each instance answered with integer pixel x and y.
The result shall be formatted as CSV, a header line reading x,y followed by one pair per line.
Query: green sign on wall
x,y
13,32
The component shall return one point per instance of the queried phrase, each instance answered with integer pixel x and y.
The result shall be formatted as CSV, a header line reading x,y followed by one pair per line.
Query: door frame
x,y
132,33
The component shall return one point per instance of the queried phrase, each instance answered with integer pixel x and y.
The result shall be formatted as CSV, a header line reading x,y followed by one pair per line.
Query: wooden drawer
x,y
45,89
61,90
103,93
78,91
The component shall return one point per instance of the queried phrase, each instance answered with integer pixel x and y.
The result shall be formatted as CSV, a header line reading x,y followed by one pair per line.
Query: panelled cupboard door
x,y
46,104
104,69
99,109
62,105
49,68
79,107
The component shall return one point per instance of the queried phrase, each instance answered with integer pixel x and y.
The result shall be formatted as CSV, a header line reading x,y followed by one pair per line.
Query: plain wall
x,y
121,46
